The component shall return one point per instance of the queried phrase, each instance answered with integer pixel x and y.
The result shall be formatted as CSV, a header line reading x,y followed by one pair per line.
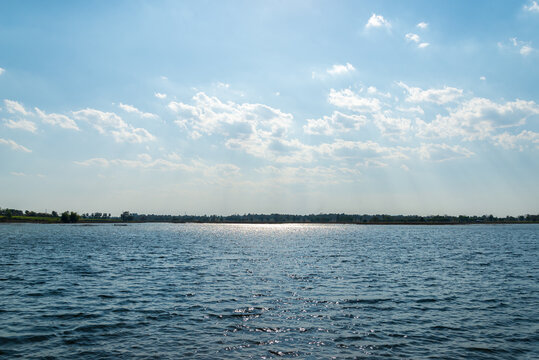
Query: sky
x,y
225,107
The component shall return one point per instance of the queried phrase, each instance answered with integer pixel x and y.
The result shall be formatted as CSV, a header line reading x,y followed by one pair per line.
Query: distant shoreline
x,y
118,222
19,216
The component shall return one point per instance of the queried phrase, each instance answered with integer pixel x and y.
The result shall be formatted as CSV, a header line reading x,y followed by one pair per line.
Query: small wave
x,y
66,316
426,300
366,301
106,296
25,339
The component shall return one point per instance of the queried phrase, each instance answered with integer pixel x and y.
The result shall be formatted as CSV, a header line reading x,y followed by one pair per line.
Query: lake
x,y
212,291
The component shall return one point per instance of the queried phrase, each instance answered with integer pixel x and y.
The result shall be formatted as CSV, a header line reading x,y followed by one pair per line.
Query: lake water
x,y
269,291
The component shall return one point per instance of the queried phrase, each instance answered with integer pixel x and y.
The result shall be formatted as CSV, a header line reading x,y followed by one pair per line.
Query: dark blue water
x,y
269,291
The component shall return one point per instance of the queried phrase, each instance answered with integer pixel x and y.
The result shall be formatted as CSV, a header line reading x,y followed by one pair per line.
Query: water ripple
x,y
269,291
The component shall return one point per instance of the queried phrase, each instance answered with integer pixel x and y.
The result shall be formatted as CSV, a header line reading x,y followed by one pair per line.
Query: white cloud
x,y
438,96
377,21
17,173
482,78
160,95
144,157
372,163
174,157
111,124
94,162
416,39
337,122
12,144
338,69
132,109
14,107
521,140
257,129
360,150
405,168
392,126
57,120
415,109
2,70
442,152
371,90
422,25
478,118
21,124
534,7
349,100
526,50
412,37
207,172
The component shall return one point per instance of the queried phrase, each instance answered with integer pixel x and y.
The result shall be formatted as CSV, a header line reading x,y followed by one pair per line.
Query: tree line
x,y
331,218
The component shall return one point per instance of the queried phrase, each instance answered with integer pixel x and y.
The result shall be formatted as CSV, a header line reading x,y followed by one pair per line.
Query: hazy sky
x,y
414,107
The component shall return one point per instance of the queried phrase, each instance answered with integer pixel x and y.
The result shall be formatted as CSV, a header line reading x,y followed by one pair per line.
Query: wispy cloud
x,y
337,122
422,25
14,173
393,126
438,96
338,69
526,50
348,99
442,152
160,95
533,7
377,21
110,123
2,70
60,120
520,141
12,144
412,37
524,47
207,171
306,175
134,110
14,107
26,125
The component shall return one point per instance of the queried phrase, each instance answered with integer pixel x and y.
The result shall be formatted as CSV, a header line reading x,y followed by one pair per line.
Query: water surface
x,y
269,291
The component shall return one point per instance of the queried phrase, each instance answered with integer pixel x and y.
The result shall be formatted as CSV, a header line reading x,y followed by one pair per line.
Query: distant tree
x,y
126,216
54,213
8,214
65,217
74,217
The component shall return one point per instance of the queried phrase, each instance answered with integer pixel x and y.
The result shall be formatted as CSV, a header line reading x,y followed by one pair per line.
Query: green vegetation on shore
x,y
13,215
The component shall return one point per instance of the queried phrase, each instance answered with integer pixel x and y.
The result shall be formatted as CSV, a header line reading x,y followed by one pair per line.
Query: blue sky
x,y
414,107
